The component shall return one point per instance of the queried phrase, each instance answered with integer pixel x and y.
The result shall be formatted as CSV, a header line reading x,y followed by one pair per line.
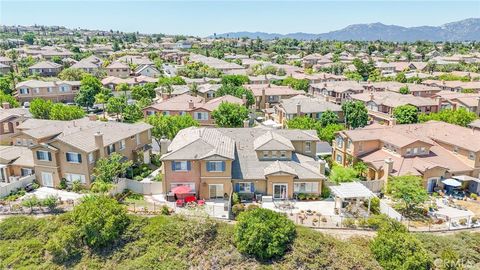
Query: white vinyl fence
x,y
145,188
5,189
389,211
374,185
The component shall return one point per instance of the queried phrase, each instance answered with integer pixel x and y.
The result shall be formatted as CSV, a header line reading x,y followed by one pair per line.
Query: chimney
x,y
99,143
191,104
321,166
164,96
478,106
6,105
92,117
164,143
299,109
371,96
246,123
387,169
244,99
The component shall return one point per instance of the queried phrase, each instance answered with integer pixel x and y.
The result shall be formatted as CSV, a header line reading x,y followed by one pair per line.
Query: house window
x,y
308,147
339,141
72,177
137,138
166,113
26,171
49,89
181,166
24,91
73,157
182,113
305,187
36,90
216,166
122,144
265,154
423,150
44,155
274,154
283,154
409,151
245,187
110,148
201,115
91,158
471,155
339,159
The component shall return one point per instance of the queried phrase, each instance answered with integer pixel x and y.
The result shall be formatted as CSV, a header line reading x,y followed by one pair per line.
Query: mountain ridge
x,y
463,30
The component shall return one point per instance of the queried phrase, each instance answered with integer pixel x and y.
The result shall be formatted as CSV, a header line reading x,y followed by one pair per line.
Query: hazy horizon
x,y
204,18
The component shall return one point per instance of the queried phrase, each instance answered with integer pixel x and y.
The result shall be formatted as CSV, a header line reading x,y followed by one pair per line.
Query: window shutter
x,y
189,166
67,157
209,166
252,187
38,155
79,158
49,156
223,166
173,165
237,187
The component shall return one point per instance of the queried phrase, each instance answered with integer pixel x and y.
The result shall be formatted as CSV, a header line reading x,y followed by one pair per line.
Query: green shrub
x,y
63,184
77,186
31,201
100,220
473,196
235,198
252,206
237,209
263,233
64,244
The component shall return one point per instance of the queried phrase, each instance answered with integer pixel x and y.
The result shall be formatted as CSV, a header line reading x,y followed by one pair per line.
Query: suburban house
x,y
111,82
336,92
90,64
222,65
207,91
214,162
45,68
197,107
432,150
58,91
454,100
302,105
15,162
454,86
380,105
68,149
10,118
118,69
271,94
418,90
147,70
4,69
6,61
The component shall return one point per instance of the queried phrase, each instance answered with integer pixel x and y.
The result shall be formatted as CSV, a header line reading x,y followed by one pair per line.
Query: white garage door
x,y
47,179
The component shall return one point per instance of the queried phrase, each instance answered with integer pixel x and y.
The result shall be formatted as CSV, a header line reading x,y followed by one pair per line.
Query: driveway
x,y
44,192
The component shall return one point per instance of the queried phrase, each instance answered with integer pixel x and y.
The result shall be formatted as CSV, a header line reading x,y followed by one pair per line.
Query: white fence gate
x,y
145,188
8,187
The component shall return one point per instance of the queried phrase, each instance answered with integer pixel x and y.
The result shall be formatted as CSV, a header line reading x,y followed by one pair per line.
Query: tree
x,y
394,248
89,87
5,86
408,189
404,90
327,133
230,115
40,108
100,220
302,122
297,84
356,114
132,113
406,114
71,74
176,80
236,80
328,117
236,91
116,105
123,87
102,98
460,116
341,174
169,125
107,169
263,233
64,243
60,111
9,99
145,91
29,38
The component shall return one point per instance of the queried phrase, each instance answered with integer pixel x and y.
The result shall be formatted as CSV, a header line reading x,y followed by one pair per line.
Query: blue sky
x,y
207,17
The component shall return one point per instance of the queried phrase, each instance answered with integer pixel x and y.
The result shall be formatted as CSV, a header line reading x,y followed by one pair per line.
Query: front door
x,y
280,191
215,191
431,184
47,179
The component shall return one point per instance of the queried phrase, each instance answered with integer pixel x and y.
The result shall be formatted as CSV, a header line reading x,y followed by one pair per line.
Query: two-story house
x,y
69,149
10,118
432,150
15,162
214,162
118,69
195,106
269,95
336,92
45,68
57,91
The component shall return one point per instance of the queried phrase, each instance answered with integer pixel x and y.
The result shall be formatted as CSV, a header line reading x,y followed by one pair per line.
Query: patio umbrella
x,y
451,182
182,190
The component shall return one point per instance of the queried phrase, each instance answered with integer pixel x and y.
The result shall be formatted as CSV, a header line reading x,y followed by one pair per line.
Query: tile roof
x,y
45,64
308,105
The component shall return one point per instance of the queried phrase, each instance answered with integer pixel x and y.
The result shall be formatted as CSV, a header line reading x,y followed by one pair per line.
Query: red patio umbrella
x,y
182,190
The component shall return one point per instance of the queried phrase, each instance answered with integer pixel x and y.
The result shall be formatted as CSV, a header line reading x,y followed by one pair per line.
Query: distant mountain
x,y
468,29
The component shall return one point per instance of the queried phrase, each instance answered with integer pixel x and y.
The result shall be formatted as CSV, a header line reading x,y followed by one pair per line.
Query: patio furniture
x,y
190,199
180,203
201,202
